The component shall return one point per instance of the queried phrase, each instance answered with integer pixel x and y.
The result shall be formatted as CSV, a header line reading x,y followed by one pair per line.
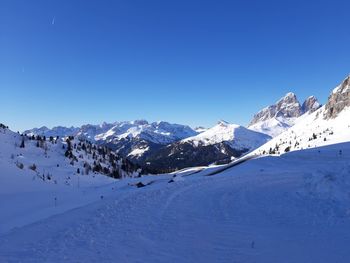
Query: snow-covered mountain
x,y
55,131
138,139
157,144
160,132
277,118
132,139
218,144
157,132
90,131
236,136
330,124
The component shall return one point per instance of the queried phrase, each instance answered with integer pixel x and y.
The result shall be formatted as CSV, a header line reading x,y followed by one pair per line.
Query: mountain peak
x,y
278,117
290,95
222,123
289,98
287,107
310,105
140,122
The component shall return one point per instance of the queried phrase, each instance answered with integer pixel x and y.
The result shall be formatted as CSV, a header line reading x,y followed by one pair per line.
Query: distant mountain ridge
x,y
132,139
55,131
158,132
155,145
219,144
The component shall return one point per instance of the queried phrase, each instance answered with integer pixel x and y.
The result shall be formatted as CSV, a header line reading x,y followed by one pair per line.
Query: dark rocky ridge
x,y
338,100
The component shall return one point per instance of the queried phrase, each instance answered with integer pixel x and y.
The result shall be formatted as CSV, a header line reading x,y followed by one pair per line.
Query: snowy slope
x,y
37,177
273,126
311,131
236,136
290,208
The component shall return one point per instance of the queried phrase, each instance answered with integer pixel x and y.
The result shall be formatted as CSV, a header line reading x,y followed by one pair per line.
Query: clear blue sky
x,y
69,62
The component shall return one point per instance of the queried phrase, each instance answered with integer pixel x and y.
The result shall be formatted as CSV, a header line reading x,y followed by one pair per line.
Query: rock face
x,y
286,107
280,116
338,100
311,104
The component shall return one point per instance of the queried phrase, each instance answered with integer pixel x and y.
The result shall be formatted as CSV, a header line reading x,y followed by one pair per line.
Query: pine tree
x,y
22,143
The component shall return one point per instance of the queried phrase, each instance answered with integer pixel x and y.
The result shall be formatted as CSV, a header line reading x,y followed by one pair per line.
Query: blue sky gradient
x,y
192,62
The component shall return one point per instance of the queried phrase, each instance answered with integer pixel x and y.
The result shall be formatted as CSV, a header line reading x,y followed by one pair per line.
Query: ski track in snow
x,y
246,214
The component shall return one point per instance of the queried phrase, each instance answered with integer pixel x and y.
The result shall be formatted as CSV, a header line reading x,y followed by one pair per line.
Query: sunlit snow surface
x,y
238,137
289,208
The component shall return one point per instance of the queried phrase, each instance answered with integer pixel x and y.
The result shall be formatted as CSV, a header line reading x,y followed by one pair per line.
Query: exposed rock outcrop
x,y
338,100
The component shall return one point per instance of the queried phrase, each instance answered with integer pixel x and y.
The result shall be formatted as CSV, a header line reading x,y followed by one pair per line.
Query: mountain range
x,y
162,147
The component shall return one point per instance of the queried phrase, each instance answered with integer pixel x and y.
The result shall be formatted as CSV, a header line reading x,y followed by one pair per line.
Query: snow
x,y
316,105
138,151
276,119
336,89
55,131
289,208
29,195
237,136
273,127
292,205
157,132
25,196
160,132
300,136
200,129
